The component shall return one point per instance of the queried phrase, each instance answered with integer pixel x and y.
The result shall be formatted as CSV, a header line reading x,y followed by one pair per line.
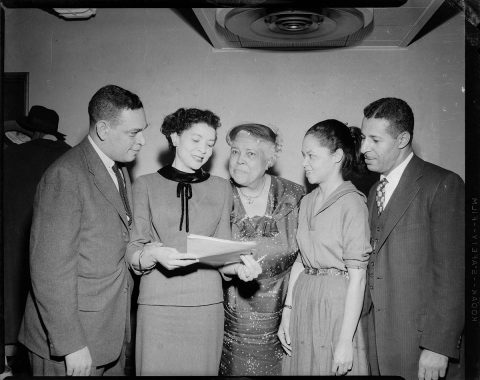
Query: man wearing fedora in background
x,y
40,122
31,144
76,319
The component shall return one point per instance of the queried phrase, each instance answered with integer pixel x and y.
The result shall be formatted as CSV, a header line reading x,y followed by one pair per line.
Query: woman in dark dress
x,y
265,210
180,311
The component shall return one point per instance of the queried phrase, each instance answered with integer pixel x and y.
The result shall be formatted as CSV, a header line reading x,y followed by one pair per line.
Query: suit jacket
x,y
157,211
416,272
80,282
23,166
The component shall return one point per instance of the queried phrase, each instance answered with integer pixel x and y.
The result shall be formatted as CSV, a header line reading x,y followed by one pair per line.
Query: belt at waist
x,y
326,272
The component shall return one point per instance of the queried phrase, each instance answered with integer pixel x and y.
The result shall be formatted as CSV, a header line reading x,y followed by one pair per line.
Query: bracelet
x,y
140,269
287,306
140,261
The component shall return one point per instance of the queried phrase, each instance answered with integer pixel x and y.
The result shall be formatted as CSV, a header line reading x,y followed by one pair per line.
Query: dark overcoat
x,y
23,166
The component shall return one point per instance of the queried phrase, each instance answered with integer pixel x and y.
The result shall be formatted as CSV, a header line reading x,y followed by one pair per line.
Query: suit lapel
x,y
102,179
371,204
400,200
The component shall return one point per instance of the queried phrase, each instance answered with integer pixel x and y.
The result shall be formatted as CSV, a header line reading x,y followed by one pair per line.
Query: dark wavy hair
x,y
109,101
334,135
396,111
183,118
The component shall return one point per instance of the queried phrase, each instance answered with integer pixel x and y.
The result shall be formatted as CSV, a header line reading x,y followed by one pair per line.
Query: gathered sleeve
x,y
355,233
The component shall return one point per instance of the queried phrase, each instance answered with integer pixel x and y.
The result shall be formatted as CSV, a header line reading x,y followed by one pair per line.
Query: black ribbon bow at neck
x,y
184,192
184,187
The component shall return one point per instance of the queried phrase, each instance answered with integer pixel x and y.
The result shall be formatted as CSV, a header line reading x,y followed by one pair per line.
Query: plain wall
x,y
157,54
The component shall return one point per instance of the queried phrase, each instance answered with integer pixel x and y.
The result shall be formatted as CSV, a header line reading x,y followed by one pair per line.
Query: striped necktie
x,y
380,196
123,192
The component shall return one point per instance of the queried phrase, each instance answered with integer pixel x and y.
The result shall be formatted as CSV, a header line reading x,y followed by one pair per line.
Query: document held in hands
x,y
217,252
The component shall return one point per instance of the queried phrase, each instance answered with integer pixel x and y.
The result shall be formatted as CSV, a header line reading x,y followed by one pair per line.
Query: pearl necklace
x,y
251,198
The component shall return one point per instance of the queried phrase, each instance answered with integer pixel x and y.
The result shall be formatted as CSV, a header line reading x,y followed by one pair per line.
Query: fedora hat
x,y
13,126
41,119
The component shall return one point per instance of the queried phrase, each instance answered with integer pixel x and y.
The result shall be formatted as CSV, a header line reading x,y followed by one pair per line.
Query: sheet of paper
x,y
217,252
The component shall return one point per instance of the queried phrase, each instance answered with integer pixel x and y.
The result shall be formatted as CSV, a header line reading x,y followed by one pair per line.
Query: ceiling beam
x,y
421,21
199,3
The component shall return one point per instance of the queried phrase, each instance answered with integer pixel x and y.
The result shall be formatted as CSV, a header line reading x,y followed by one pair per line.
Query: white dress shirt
x,y
393,178
107,161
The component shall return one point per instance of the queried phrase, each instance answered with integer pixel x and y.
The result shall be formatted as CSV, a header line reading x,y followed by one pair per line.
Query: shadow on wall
x,y
417,149
444,13
190,19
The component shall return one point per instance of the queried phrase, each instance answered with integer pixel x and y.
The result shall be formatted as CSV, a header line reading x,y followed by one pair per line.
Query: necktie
x,y
123,192
380,196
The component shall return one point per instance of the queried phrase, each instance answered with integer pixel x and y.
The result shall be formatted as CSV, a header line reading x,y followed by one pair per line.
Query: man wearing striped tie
x,y
76,320
415,291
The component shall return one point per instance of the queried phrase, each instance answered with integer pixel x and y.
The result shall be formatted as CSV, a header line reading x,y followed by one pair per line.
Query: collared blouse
x,y
335,233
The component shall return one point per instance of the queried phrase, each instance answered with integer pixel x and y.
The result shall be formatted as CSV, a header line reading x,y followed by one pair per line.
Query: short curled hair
x,y
396,111
334,134
183,118
261,132
109,101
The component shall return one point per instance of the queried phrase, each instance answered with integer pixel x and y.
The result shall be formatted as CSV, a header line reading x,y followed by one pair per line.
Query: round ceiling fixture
x,y
289,25
237,3
282,22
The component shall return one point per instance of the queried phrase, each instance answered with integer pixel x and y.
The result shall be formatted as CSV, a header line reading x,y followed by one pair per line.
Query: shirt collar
x,y
394,176
107,161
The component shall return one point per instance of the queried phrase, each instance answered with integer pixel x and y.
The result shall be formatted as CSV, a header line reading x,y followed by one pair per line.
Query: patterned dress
x,y
253,309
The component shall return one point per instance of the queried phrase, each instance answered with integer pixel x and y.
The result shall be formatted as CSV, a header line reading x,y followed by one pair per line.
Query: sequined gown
x,y
253,309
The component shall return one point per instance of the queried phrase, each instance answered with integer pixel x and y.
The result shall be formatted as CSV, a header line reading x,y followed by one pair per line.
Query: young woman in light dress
x,y
320,330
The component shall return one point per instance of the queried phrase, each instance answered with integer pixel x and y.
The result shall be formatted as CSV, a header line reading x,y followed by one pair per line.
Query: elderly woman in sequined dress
x,y
265,210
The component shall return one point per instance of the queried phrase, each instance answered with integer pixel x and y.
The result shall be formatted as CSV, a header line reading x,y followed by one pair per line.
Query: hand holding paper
x,y
217,252
250,269
168,257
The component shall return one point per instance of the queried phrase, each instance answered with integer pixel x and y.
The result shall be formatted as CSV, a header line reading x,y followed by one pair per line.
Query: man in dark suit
x,y
76,316
415,292
31,145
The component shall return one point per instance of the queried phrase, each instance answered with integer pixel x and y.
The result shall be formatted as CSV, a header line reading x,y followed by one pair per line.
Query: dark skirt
x,y
179,340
